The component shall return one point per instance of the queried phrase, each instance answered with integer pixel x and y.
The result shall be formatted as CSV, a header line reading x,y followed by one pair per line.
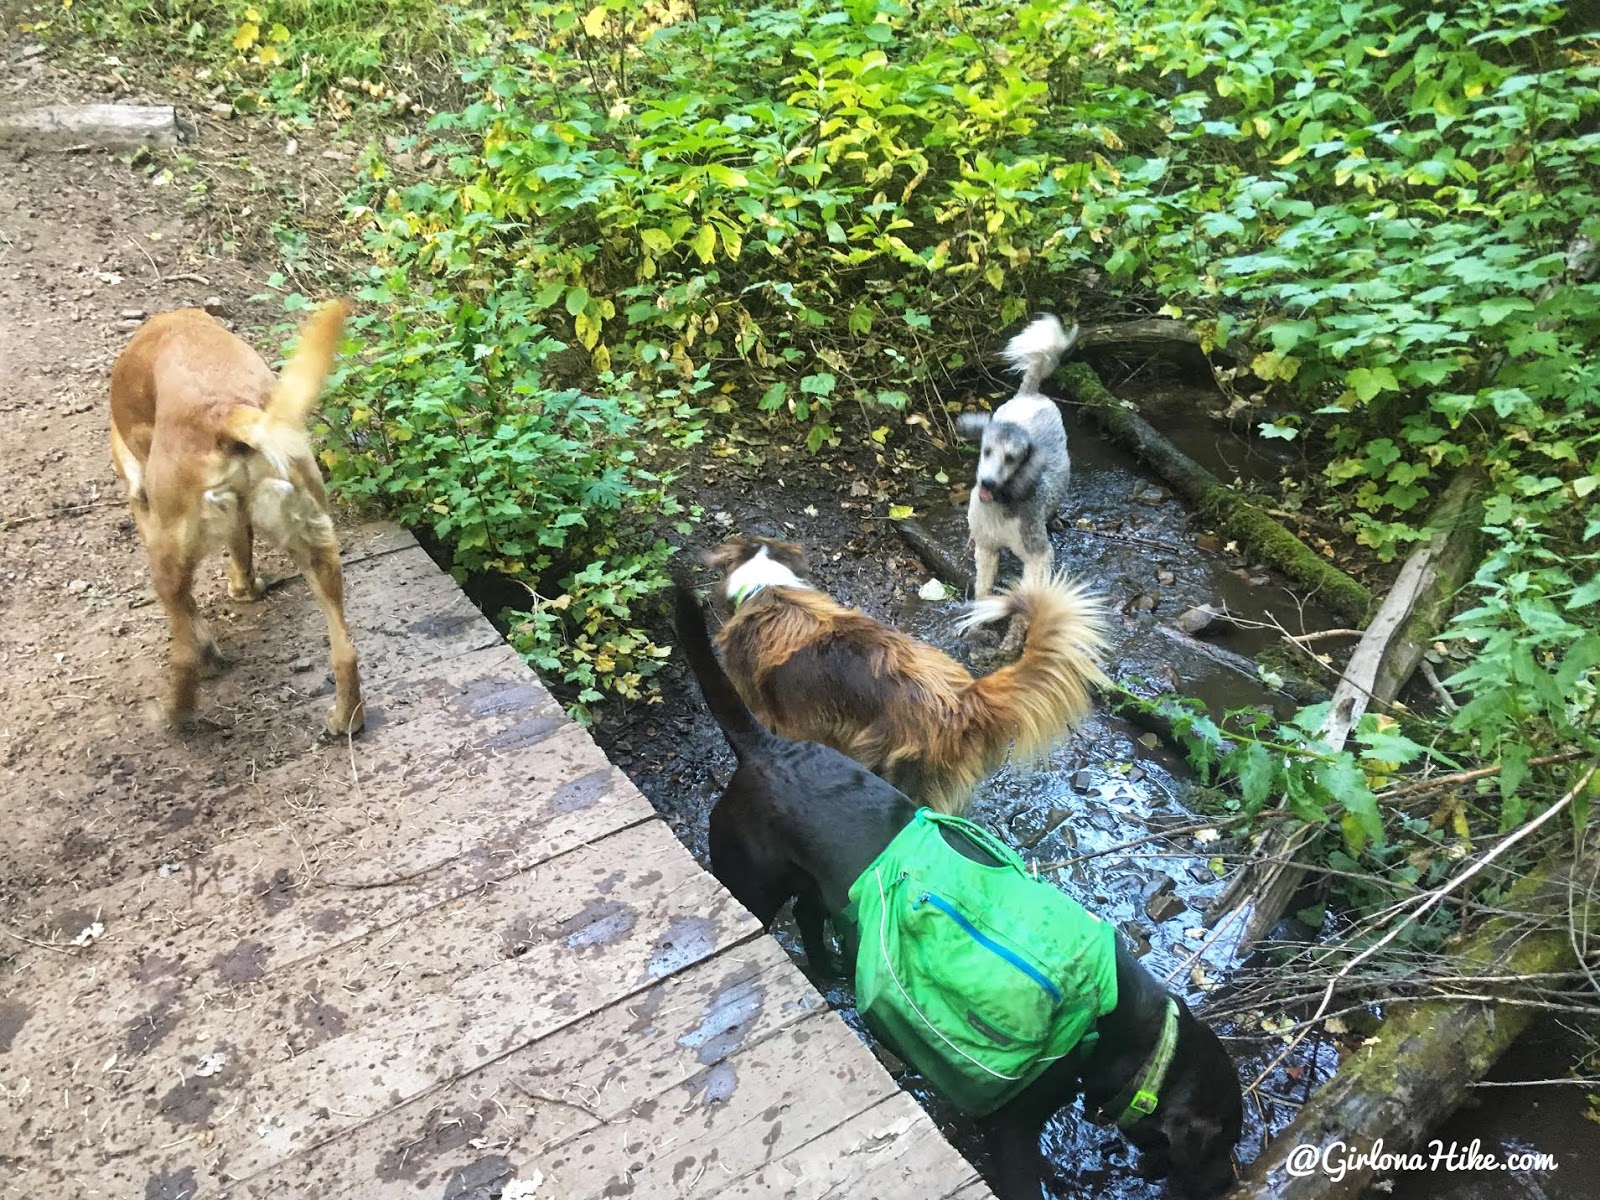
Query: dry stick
x,y
1443,781
1431,901
64,511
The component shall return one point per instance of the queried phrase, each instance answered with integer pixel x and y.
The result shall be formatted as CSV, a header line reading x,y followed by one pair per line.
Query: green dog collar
x,y
739,596
1147,1090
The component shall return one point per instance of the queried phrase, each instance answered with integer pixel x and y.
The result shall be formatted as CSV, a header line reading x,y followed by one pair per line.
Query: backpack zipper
x,y
991,945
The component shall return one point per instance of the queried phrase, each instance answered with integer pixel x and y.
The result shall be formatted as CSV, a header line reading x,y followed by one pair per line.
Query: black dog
x,y
800,821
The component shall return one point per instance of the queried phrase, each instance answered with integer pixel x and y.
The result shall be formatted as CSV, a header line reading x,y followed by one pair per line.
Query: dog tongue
x,y
985,494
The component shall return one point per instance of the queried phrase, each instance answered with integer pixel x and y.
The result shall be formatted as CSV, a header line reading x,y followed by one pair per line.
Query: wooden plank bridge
x,y
460,957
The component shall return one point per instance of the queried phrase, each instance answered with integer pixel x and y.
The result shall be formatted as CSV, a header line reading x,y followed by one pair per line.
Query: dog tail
x,y
277,432
1036,351
1050,688
739,725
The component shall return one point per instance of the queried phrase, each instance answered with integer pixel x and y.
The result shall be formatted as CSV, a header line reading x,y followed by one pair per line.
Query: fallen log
x,y
1416,1071
1259,534
934,555
1389,651
1162,336
92,124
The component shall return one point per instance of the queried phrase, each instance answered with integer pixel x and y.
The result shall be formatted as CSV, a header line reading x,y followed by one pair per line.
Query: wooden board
x,y
459,951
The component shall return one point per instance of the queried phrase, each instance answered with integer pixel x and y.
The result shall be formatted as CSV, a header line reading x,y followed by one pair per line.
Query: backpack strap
x,y
978,835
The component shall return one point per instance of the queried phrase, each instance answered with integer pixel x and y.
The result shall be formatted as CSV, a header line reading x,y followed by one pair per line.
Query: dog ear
x,y
972,425
790,554
724,556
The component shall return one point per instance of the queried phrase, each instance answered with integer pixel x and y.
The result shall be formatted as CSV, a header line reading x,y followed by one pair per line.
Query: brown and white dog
x,y
814,670
211,447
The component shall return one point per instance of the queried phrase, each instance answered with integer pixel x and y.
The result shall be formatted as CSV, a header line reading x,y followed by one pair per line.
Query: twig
x,y
65,510
1319,635
1445,698
1534,1082
1444,781
134,242
68,950
189,277
1429,902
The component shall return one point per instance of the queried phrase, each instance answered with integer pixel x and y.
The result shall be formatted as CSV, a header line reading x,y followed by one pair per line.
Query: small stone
x,y
1195,619
33,51
1201,873
133,314
224,111
1259,580
1082,780
1166,578
1139,936
214,306
1136,775
78,586
1150,495
301,665
1164,903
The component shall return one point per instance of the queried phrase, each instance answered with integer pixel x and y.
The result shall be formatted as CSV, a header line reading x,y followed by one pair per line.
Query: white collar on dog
x,y
758,571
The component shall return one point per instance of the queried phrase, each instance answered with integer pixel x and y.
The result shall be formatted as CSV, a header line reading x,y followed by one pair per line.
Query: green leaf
x,y
1585,595
899,512
577,301
1255,770
772,399
1368,382
1492,312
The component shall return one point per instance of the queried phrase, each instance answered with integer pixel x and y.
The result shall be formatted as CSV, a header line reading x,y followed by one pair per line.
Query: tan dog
x,y
814,670
211,446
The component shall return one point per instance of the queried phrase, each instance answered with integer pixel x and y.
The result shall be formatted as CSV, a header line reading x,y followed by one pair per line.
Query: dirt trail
x,y
93,787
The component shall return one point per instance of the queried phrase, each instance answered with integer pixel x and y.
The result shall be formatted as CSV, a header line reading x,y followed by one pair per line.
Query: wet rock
x,y
1032,826
1150,495
1104,821
1136,775
1082,780
1208,542
1166,578
1259,580
1201,873
1164,903
1139,937
1192,621
133,314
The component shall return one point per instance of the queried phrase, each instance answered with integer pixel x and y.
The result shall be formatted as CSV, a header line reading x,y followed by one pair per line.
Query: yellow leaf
x,y
1289,157
594,22
705,242
602,359
245,36
995,276
880,434
250,14
1261,126
1375,52
268,55
279,34
899,512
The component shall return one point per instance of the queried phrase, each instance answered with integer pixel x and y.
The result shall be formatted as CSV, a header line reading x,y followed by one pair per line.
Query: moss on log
x,y
1230,512
1428,1054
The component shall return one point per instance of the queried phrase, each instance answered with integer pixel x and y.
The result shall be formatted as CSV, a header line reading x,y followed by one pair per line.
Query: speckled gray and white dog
x,y
1022,466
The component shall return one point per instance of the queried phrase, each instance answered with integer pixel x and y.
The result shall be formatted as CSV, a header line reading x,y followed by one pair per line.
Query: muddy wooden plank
x,y
427,733
976,1190
400,1013
889,1151
229,915
372,539
730,1122
583,1081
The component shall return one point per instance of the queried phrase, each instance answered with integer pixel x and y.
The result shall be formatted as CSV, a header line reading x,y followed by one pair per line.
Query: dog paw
x,y
247,593
341,725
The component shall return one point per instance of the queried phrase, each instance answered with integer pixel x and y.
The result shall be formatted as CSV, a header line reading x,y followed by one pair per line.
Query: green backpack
x,y
979,976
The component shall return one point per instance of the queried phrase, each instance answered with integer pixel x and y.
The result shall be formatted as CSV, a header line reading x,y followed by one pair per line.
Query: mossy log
x,y
1427,1055
1258,533
1387,654
934,555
